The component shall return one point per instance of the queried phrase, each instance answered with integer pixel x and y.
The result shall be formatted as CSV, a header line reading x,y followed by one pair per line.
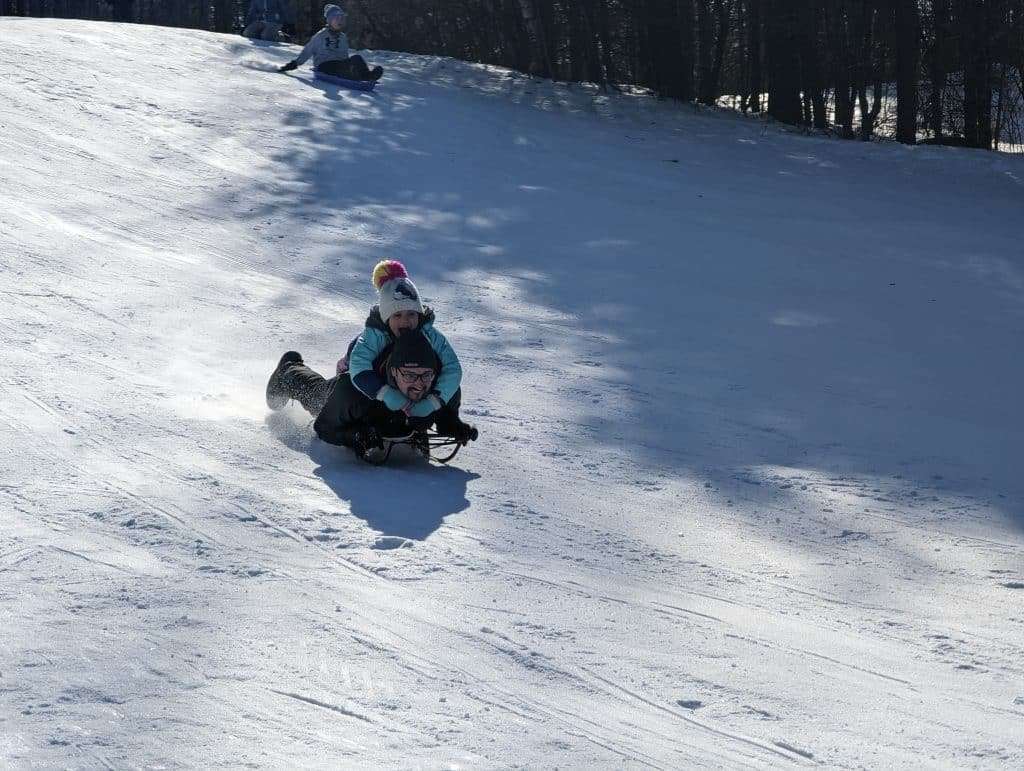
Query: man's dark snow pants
x,y
342,410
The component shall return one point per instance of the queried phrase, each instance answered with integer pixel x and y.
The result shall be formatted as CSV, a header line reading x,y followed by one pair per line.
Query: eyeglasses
x,y
412,377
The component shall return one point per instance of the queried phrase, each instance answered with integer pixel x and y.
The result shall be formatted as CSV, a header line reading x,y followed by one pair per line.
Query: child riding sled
x,y
329,49
267,19
400,376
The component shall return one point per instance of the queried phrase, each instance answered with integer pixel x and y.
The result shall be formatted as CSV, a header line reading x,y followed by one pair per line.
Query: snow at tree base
x,y
748,487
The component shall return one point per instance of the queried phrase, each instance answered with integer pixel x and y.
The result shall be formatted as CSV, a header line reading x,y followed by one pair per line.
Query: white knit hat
x,y
395,290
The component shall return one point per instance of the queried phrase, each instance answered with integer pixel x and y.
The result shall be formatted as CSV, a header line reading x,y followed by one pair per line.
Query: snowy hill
x,y
748,491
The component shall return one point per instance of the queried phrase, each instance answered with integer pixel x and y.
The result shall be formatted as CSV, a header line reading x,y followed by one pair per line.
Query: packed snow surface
x,y
748,491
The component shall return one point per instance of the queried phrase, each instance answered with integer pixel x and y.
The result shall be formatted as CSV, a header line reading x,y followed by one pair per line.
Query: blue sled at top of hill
x,y
356,85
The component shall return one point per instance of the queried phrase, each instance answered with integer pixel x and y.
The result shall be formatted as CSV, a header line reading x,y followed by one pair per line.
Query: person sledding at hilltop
x,y
399,376
329,49
267,19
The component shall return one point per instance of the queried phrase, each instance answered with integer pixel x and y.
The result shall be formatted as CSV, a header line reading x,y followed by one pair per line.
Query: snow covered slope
x,y
748,491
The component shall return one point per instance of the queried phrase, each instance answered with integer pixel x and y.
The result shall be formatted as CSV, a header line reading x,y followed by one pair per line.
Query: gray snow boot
x,y
277,391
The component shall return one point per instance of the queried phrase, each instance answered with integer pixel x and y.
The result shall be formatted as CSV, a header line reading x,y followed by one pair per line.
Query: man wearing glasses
x,y
346,416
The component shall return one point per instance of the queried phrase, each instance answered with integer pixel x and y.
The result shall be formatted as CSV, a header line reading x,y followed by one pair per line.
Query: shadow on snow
x,y
407,498
702,300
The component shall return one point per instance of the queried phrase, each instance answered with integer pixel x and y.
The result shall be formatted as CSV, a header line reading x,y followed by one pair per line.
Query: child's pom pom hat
x,y
395,290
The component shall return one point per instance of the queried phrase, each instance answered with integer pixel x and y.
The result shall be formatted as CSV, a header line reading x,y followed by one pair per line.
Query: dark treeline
x,y
946,71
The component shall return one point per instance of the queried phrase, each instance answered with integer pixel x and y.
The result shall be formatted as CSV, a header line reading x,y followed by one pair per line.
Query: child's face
x,y
403,321
336,22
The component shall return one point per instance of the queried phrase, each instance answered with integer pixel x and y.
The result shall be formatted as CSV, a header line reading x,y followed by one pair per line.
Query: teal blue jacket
x,y
376,339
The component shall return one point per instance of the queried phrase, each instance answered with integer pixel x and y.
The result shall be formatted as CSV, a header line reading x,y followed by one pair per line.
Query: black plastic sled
x,y
355,85
433,447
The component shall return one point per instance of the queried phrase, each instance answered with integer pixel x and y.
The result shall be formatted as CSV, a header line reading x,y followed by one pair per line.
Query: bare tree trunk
x,y
124,10
541,63
784,103
810,67
837,28
519,34
997,133
862,34
938,66
908,30
754,53
594,69
988,35
578,50
604,33
711,91
977,68
668,27
705,45
684,60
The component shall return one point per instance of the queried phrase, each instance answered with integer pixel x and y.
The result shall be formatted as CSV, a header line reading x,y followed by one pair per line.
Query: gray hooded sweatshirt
x,y
325,46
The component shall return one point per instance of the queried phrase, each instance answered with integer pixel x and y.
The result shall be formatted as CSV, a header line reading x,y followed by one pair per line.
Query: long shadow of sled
x,y
333,90
404,499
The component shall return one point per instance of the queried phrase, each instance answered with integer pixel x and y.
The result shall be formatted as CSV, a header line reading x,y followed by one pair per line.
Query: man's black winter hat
x,y
412,349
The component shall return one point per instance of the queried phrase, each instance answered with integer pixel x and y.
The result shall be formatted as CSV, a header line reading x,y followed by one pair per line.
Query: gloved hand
x,y
461,432
366,441
393,399
288,67
420,425
464,433
396,424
